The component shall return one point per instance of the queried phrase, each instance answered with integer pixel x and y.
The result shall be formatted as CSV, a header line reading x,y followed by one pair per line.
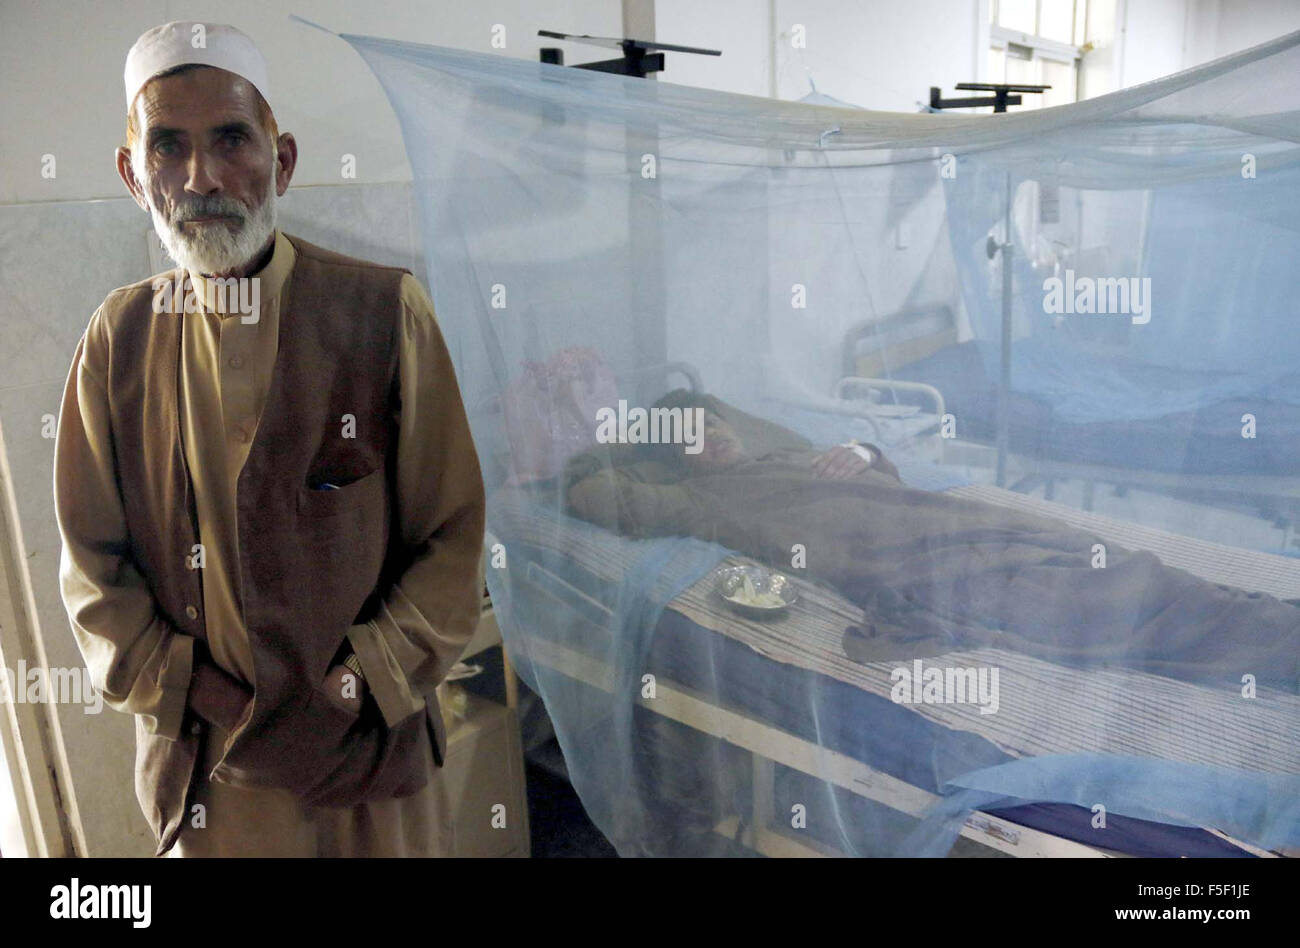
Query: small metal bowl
x,y
729,580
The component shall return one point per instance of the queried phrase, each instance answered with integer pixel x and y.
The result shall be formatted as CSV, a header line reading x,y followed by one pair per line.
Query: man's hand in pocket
x,y
344,689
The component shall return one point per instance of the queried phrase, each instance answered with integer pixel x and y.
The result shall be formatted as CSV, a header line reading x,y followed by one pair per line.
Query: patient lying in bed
x,y
933,572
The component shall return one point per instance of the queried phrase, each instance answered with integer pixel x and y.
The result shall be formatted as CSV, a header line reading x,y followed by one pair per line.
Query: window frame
x,y
1040,48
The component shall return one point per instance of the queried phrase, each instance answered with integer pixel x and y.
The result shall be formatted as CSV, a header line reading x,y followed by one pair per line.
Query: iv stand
x,y
1001,98
992,248
1004,383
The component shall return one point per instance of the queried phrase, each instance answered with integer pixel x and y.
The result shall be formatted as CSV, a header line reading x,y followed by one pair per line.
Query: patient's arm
x,y
635,501
844,461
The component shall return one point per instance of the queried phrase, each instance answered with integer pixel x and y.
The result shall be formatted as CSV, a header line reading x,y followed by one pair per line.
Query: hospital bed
x,y
1163,719
912,362
566,569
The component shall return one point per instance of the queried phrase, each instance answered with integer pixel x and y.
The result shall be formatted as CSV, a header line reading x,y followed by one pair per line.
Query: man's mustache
x,y
209,207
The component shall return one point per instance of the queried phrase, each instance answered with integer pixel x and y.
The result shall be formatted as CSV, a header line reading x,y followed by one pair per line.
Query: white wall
x,y
878,54
1165,36
63,77
1159,37
1153,40
740,28
1221,27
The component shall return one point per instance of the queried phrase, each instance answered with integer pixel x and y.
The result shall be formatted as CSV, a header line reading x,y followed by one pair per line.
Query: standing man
x,y
271,507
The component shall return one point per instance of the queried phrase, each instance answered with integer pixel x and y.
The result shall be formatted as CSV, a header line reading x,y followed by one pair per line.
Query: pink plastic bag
x,y
550,411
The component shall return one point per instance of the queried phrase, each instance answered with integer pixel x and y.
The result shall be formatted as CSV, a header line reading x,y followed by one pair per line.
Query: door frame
x,y
29,733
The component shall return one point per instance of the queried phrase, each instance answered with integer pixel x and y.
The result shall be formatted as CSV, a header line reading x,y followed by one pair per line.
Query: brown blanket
x,y
932,569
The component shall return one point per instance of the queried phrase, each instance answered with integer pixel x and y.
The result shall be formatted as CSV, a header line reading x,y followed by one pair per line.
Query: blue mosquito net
x,y
861,480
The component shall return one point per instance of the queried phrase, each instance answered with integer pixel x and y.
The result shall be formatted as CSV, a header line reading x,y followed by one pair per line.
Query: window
x,y
1039,42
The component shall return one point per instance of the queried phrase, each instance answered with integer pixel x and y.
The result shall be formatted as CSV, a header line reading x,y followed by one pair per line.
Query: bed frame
x,y
822,614
873,349
919,334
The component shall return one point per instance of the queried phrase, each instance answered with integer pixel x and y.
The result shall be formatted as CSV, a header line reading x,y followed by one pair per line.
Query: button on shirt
x,y
226,365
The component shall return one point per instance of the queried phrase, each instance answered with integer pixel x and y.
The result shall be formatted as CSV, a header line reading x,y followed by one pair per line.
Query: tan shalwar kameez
x,y
226,367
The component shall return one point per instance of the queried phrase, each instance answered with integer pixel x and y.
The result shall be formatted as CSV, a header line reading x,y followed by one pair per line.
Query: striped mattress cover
x,y
1044,708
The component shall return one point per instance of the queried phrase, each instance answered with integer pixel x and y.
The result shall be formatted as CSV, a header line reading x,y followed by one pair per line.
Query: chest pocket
x,y
326,504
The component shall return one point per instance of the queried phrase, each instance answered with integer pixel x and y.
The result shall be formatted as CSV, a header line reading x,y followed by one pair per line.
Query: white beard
x,y
213,248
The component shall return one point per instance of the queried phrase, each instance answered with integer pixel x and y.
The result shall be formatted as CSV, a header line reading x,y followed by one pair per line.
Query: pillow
x,y
550,411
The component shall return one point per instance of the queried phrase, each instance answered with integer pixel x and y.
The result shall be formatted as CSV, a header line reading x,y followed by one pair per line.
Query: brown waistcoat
x,y
312,562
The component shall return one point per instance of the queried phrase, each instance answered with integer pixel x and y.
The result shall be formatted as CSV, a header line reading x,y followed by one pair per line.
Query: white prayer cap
x,y
186,41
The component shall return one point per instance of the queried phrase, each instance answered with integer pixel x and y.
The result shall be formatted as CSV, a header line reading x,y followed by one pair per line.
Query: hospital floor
x,y
559,826
561,829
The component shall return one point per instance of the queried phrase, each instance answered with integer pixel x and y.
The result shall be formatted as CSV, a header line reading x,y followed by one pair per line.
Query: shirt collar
x,y
271,277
